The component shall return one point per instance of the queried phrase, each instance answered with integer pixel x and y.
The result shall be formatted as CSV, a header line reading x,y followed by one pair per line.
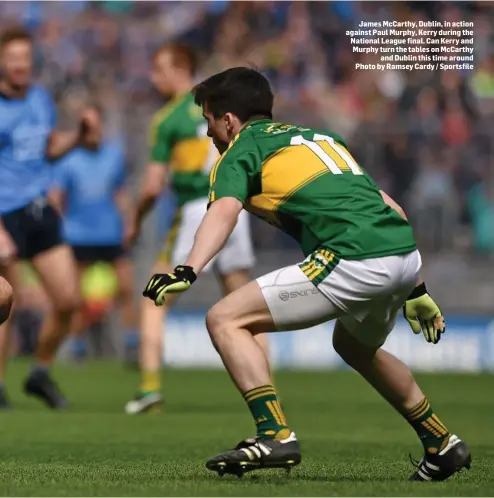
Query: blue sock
x,y
131,338
78,347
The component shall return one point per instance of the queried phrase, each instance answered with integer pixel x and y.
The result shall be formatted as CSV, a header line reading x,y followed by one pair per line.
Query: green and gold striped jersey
x,y
305,182
178,138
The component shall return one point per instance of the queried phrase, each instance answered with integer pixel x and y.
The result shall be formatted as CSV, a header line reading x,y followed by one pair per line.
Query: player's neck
x,y
182,88
251,120
12,92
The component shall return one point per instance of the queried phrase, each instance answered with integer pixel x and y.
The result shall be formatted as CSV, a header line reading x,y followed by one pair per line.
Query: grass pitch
x,y
353,443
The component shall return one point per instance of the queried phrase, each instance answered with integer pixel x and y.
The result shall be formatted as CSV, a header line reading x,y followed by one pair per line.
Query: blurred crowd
x,y
426,137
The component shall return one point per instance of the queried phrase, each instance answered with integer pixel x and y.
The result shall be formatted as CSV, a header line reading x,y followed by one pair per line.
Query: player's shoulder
x,y
331,134
244,142
169,112
40,92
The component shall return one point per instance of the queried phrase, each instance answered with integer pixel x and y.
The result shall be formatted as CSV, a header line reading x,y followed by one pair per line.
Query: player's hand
x,y
89,121
169,283
131,232
7,247
424,315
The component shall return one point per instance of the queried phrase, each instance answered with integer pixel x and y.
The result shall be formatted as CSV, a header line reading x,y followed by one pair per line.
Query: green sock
x,y
268,415
429,428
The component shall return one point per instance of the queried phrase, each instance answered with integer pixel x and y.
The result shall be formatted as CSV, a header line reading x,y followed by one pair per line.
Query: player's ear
x,y
229,120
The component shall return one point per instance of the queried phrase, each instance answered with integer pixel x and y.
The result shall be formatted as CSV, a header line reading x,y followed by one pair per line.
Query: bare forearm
x,y
211,236
144,205
124,204
61,142
56,198
152,186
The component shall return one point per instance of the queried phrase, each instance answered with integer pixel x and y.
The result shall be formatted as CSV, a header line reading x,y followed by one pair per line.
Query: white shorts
x,y
365,295
238,253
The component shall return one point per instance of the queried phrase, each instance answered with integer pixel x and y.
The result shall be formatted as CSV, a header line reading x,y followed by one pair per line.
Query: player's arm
x,y
57,194
155,176
57,199
152,185
121,193
215,229
232,183
230,186
61,143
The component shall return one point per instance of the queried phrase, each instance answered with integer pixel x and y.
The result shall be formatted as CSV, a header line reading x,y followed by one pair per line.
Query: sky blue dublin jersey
x,y
25,127
90,180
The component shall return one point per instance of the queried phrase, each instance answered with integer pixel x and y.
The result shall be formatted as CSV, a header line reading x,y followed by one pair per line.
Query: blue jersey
x,y
90,180
25,126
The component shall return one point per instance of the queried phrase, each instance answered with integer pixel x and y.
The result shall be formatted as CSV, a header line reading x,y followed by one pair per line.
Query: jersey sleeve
x,y
236,172
160,142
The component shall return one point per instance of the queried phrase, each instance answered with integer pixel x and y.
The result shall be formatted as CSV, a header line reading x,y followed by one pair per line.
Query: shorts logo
x,y
285,295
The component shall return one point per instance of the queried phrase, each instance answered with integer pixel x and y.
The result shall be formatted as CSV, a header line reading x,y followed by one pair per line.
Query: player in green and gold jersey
x,y
361,268
182,154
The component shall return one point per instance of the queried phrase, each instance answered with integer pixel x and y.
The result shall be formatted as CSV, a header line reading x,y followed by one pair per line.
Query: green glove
x,y
169,283
423,314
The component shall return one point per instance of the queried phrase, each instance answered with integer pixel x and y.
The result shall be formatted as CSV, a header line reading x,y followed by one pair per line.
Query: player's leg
x,y
153,318
124,271
234,264
359,344
6,302
15,223
235,280
78,346
57,271
152,329
232,324
445,452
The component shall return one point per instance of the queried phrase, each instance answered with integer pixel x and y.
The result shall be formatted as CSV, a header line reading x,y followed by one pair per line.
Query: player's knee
x,y
67,305
218,321
6,299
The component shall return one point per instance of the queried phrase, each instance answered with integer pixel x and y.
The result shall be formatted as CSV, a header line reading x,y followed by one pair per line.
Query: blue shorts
x,y
92,254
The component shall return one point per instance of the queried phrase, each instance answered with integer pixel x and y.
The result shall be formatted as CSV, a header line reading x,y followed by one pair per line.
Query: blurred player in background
x,y
30,227
182,154
362,266
89,189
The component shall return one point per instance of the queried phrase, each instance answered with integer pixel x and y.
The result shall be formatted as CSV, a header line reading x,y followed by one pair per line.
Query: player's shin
x,y
151,345
444,453
248,367
394,381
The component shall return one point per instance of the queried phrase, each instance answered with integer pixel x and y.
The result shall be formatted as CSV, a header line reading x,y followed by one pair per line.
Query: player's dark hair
x,y
242,91
184,57
14,33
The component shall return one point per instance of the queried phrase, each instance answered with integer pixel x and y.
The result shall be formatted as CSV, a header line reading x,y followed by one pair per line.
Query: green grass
x,y
353,443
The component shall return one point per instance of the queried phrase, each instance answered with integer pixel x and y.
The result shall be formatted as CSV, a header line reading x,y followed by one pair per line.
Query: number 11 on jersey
x,y
341,153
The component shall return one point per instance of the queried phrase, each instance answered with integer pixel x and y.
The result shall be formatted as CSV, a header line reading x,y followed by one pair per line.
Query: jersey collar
x,y
256,122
